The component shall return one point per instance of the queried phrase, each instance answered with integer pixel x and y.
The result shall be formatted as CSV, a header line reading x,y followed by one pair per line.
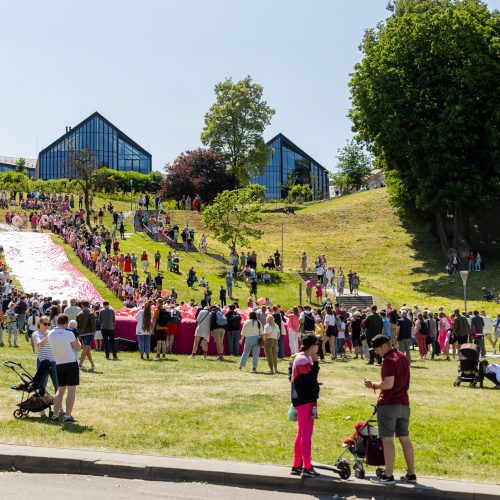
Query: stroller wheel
x,y
344,470
359,473
18,413
379,471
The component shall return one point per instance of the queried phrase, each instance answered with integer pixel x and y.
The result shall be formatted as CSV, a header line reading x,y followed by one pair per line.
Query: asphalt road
x,y
20,486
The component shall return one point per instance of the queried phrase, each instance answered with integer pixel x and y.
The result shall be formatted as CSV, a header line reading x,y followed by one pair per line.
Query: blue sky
x,y
150,67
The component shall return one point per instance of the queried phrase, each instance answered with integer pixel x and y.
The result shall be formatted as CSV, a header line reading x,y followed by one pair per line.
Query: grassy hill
x,y
398,263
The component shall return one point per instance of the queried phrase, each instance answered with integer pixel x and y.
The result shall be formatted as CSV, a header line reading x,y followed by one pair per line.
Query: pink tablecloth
x,y
183,344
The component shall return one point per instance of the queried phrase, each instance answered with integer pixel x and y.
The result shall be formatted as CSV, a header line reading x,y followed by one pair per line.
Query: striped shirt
x,y
42,351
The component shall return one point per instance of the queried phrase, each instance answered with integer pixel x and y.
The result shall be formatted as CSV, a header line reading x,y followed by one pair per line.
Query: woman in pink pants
x,y
305,392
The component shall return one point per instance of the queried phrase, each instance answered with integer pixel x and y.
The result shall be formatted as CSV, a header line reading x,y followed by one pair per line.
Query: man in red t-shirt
x,y
393,408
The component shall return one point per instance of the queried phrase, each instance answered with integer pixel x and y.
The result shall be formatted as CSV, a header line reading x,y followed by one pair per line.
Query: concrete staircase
x,y
360,301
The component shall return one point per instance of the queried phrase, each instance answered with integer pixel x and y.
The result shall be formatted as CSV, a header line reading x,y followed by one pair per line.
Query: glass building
x,y
111,147
289,165
8,164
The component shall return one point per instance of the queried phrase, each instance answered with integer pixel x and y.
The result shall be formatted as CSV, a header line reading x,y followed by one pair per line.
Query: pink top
x,y
293,321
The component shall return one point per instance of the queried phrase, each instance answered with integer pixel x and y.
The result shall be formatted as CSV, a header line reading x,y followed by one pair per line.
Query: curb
x,y
243,475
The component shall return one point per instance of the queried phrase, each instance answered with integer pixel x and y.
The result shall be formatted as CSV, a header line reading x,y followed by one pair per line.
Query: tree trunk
x,y
441,232
461,232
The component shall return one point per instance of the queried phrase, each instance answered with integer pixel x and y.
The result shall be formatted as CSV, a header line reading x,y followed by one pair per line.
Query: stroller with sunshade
x,y
34,398
468,369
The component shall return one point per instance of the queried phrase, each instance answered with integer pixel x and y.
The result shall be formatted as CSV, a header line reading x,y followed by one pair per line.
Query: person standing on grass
x,y
421,332
202,332
292,316
174,318
478,329
144,261
233,331
157,260
65,347
309,287
404,334
86,330
393,408
303,262
374,326
303,375
251,332
487,327
143,329
461,328
44,352
160,323
271,336
331,331
218,323
108,320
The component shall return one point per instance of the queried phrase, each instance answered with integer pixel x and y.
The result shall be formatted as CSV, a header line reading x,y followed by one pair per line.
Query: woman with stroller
x,y
303,374
44,352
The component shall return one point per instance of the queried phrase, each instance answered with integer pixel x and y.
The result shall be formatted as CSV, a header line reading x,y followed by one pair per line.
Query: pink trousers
x,y
303,441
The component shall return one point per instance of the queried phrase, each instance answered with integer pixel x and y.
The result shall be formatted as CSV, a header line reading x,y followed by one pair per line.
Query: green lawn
x,y
209,409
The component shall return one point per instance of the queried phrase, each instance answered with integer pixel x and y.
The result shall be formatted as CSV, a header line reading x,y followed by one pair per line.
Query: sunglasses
x,y
46,324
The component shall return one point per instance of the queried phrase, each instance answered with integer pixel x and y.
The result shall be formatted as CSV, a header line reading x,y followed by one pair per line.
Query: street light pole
x,y
282,263
131,196
464,275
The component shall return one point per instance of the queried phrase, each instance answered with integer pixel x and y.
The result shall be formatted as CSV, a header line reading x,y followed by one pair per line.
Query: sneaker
x,y
409,478
296,471
383,479
254,370
309,472
69,419
55,418
192,356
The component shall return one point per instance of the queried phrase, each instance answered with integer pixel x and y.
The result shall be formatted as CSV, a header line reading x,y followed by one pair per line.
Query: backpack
x,y
309,322
173,317
220,318
163,317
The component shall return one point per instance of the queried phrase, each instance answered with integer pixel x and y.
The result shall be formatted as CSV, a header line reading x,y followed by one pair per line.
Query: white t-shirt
x,y
60,341
138,328
488,325
495,369
32,323
330,318
272,331
72,312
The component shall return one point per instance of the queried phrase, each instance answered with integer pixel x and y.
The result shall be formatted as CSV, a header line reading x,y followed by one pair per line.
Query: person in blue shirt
x,y
387,326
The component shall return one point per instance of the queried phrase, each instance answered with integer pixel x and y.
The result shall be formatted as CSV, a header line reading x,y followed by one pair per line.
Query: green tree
x,y
231,217
426,100
353,166
234,126
21,166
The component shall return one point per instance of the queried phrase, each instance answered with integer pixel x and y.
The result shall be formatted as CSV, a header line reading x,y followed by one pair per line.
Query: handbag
x,y
292,413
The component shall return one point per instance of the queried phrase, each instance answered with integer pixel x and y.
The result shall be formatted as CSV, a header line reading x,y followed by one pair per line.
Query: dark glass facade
x,y
111,147
290,165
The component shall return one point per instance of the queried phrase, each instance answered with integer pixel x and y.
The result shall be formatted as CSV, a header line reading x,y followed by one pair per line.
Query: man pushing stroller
x,y
393,414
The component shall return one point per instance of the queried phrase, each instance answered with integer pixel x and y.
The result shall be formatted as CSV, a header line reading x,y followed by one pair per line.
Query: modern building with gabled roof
x,y
290,165
112,148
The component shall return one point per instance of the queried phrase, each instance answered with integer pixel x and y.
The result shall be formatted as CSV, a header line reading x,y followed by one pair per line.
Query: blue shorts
x,y
87,339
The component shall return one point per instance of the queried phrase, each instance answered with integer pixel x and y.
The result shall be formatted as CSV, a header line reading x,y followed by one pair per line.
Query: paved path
x,y
18,485
233,474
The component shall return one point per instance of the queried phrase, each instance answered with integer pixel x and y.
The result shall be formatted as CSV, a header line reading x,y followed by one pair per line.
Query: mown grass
x,y
209,409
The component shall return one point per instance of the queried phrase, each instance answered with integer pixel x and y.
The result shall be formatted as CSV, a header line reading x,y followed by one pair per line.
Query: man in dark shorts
x,y
65,346
393,408
461,328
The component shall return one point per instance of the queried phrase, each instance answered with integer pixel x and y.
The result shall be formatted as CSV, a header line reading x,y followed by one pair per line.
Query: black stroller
x,y
366,449
34,398
488,295
468,370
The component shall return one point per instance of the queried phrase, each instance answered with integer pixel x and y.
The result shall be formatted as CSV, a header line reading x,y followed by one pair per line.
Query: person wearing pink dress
x,y
443,327
319,292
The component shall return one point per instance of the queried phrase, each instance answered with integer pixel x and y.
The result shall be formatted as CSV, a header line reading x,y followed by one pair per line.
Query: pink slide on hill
x,y
42,266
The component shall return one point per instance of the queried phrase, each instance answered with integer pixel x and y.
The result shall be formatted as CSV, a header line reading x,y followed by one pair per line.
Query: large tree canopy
x,y
426,100
234,126
196,172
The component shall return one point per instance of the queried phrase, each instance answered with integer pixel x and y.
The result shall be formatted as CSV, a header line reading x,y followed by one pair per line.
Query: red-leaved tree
x,y
196,172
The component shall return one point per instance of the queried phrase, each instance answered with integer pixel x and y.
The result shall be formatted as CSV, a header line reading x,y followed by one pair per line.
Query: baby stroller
x,y
489,295
366,448
468,370
34,398
175,264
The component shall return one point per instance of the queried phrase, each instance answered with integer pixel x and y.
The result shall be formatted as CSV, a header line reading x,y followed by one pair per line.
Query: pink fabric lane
x,y
42,266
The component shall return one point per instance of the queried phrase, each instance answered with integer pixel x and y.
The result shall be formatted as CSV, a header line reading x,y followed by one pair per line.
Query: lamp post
x,y
464,275
131,195
282,263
